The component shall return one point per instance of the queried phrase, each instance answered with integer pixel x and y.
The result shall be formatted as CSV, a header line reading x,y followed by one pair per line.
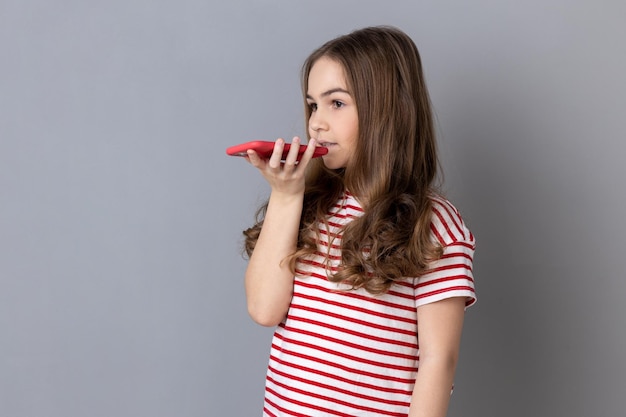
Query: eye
x,y
338,104
313,106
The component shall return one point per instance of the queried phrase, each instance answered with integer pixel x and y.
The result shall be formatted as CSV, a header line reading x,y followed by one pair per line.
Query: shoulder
x,y
452,274
447,225
350,203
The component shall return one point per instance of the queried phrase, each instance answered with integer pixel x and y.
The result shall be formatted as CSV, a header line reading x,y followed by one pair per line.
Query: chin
x,y
330,164
335,161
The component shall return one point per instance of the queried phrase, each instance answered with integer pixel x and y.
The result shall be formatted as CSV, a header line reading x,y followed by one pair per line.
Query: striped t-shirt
x,y
350,353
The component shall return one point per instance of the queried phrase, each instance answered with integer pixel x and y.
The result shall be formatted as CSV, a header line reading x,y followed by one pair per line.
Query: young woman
x,y
365,270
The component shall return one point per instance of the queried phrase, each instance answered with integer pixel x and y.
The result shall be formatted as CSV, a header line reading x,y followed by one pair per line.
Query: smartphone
x,y
265,149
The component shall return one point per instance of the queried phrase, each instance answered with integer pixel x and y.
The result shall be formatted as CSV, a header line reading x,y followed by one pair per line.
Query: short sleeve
x,y
451,275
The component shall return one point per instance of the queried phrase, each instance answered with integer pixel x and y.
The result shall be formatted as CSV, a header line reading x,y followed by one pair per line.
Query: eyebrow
x,y
329,92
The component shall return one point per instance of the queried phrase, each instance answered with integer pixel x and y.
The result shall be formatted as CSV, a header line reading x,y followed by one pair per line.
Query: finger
x,y
308,154
292,157
277,154
254,158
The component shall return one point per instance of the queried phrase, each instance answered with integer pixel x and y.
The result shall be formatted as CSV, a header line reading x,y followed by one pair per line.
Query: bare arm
x,y
439,328
269,283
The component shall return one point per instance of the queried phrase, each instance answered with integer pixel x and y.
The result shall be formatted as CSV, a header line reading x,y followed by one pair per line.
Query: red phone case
x,y
265,149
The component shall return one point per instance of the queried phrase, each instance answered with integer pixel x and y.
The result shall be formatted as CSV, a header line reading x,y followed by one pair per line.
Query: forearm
x,y
268,280
431,394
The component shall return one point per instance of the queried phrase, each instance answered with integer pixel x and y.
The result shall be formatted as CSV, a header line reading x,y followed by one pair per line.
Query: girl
x,y
365,270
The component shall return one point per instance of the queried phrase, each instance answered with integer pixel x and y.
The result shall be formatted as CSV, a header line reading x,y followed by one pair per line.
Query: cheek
x,y
355,128
354,121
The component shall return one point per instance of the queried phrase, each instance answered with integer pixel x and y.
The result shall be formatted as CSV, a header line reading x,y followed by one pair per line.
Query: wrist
x,y
286,198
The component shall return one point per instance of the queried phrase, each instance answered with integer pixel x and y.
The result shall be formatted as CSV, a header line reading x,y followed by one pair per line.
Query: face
x,y
334,121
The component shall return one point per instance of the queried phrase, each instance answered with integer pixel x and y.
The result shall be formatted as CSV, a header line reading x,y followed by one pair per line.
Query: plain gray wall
x,y
120,215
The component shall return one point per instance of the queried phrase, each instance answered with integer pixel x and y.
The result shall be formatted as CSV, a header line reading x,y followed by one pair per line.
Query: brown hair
x,y
391,172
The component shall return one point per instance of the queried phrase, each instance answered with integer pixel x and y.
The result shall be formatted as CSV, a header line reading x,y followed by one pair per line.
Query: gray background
x,y
120,215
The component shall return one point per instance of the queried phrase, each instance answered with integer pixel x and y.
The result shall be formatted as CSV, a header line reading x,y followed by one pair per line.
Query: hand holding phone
x,y
265,149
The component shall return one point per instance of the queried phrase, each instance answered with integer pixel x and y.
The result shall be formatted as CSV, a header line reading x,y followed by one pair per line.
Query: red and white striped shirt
x,y
350,353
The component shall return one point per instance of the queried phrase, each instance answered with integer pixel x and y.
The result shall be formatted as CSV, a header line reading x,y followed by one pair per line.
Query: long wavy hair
x,y
391,172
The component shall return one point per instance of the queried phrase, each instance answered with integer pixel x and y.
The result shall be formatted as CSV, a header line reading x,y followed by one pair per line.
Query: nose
x,y
317,122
